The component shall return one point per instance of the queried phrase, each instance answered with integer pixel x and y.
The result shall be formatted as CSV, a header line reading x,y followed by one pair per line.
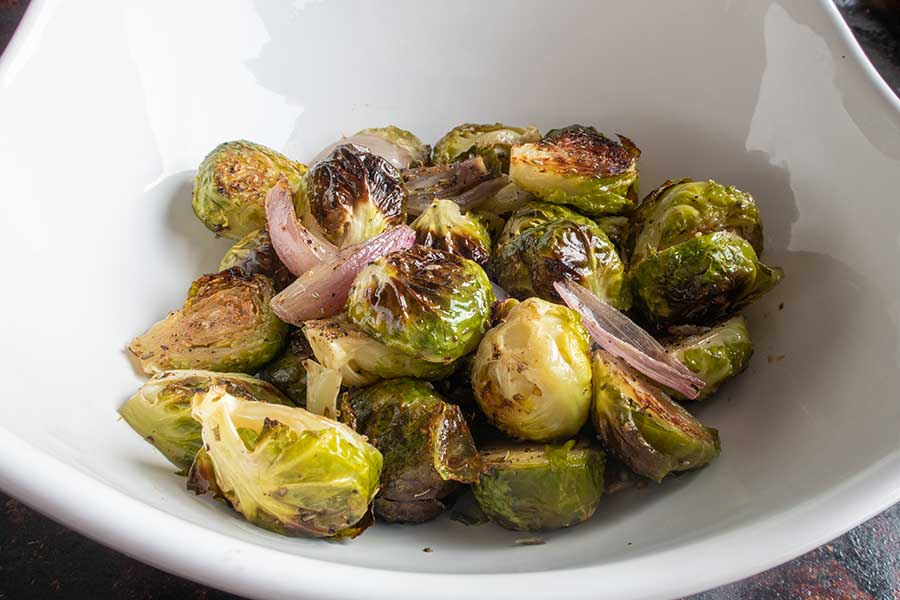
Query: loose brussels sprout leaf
x,y
680,210
416,153
323,385
286,469
361,359
160,411
232,182
577,165
354,195
716,354
532,373
425,441
444,227
425,302
544,243
463,139
286,371
532,487
225,324
255,255
701,280
643,426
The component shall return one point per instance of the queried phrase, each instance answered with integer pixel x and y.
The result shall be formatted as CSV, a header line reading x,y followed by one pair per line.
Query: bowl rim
x,y
155,537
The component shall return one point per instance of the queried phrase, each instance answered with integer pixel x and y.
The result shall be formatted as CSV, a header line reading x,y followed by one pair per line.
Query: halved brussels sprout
x,y
284,468
641,425
443,226
425,302
715,354
232,182
160,412
464,139
354,195
286,371
426,444
577,165
225,324
403,139
532,373
255,254
361,359
701,280
544,243
680,210
532,487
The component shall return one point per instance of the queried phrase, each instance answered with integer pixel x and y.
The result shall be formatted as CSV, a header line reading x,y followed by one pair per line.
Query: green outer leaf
x,y
160,411
461,139
543,243
530,488
254,254
642,426
425,302
443,226
232,182
701,280
425,441
715,355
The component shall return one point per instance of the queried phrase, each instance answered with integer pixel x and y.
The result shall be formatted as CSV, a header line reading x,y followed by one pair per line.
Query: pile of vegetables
x,y
396,324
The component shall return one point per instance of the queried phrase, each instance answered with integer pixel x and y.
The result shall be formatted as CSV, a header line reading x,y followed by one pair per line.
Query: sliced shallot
x,y
322,291
373,144
427,184
298,249
622,337
499,292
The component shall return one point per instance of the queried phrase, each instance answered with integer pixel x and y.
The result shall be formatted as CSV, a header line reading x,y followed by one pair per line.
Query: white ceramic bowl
x,y
106,108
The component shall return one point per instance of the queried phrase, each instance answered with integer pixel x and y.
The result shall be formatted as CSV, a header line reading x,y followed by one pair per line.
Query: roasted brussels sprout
x,y
715,354
544,243
680,210
425,302
254,254
286,371
354,195
641,425
533,487
532,373
416,153
225,324
160,412
232,182
444,227
426,444
701,280
361,359
616,229
283,468
461,141
577,165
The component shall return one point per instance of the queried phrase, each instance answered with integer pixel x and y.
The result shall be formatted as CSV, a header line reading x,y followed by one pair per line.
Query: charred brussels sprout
x,y
414,151
426,444
680,210
354,195
254,254
532,373
703,279
283,468
225,324
443,226
715,354
643,426
232,182
494,140
286,371
577,165
616,229
532,487
544,243
160,411
425,302
361,359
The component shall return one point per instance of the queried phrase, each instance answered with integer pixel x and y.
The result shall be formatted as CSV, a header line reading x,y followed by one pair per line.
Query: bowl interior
x,y
752,94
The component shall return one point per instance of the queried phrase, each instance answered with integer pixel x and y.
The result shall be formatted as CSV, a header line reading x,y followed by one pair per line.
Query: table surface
x,y
41,559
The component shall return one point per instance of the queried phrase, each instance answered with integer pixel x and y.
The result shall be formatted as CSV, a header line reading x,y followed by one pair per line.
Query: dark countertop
x,y
40,559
